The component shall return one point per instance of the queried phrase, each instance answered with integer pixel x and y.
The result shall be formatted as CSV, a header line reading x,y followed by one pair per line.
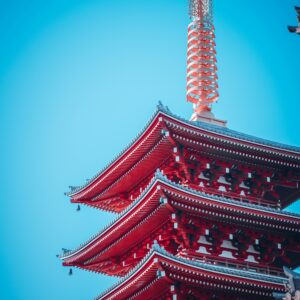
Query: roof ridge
x,y
234,133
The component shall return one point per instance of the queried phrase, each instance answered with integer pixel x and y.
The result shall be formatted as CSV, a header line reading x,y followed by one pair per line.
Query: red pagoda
x,y
200,206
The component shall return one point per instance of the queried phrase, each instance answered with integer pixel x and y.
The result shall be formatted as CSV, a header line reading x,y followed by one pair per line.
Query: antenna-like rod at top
x,y
202,86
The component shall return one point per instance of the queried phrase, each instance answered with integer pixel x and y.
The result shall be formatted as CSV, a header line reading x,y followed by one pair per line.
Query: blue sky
x,y
79,79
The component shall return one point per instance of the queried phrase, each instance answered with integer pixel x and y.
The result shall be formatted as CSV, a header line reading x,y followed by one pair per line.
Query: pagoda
x,y
200,207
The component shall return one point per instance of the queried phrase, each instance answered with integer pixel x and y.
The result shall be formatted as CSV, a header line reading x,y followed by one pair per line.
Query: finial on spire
x,y
202,86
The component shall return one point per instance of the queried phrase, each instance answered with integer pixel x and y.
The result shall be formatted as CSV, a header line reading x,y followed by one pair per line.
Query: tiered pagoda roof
x,y
200,206
109,189
211,197
158,272
157,206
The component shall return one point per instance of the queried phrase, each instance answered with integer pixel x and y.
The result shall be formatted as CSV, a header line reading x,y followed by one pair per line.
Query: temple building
x,y
200,207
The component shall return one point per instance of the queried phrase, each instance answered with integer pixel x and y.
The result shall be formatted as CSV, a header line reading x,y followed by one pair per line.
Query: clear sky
x,y
80,78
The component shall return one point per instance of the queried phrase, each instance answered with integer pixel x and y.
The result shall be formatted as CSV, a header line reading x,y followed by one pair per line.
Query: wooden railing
x,y
239,266
230,195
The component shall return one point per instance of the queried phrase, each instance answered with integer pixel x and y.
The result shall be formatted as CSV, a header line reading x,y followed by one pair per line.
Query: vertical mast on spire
x,y
202,86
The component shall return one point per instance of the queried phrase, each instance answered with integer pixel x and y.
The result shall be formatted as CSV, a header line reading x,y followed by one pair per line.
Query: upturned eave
x,y
155,143
155,205
161,265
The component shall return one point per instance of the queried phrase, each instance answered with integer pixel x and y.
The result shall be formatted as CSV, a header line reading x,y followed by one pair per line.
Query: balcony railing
x,y
234,265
